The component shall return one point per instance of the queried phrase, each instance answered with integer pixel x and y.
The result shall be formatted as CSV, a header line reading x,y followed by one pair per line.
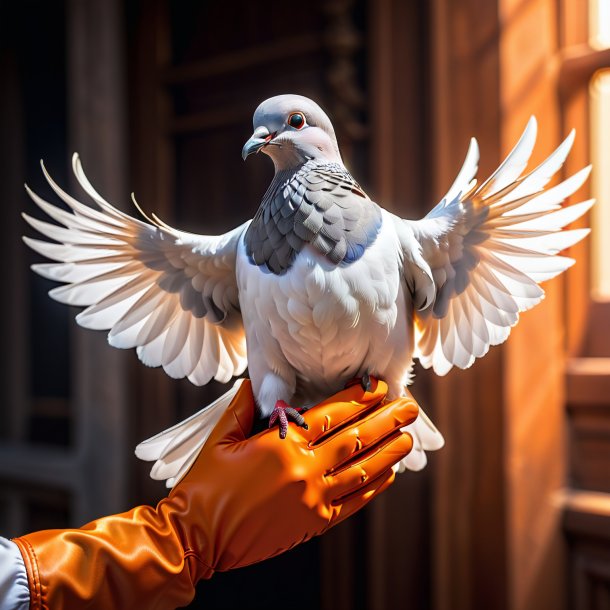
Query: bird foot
x,y
284,412
365,381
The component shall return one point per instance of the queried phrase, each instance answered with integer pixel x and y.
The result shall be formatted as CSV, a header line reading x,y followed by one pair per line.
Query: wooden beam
x,y
588,382
398,539
235,61
469,506
40,466
97,126
211,119
587,513
578,65
14,406
152,157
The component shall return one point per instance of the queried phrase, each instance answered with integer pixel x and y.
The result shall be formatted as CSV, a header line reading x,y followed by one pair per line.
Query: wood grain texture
x,y
398,523
469,502
534,401
586,518
97,128
586,521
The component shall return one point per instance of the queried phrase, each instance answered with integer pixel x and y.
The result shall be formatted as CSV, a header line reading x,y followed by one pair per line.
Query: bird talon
x,y
366,382
284,412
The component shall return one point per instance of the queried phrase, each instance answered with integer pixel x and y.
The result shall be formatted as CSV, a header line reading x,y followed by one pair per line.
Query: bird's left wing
x,y
475,261
171,295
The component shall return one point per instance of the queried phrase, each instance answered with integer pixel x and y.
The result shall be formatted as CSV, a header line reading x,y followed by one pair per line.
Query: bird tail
x,y
426,437
174,450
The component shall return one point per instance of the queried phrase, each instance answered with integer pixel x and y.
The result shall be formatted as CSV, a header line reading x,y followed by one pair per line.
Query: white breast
x,y
323,321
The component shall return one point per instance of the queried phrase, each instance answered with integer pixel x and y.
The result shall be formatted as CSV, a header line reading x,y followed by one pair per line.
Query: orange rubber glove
x,y
244,500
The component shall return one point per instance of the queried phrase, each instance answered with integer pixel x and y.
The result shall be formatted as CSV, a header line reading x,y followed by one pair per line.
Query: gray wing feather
x,y
475,261
164,292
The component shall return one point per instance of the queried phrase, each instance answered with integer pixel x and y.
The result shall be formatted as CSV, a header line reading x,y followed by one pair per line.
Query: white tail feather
x,y
174,450
425,438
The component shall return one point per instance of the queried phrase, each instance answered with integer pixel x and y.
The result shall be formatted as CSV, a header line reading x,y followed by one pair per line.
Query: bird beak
x,y
260,138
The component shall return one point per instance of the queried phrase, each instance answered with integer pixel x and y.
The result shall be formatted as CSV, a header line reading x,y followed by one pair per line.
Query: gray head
x,y
292,129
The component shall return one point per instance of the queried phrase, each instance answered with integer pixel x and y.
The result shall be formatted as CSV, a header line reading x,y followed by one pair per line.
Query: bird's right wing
x,y
171,295
475,261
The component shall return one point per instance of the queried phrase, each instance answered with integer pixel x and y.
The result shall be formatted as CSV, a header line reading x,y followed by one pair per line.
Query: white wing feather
x,y
475,261
169,294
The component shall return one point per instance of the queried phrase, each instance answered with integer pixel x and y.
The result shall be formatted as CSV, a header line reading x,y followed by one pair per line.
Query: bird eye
x,y
296,120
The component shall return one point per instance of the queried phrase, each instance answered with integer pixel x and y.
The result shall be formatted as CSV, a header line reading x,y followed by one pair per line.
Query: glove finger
x,y
341,408
369,432
368,465
359,498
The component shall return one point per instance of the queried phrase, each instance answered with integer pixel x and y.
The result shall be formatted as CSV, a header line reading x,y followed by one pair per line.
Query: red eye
x,y
296,120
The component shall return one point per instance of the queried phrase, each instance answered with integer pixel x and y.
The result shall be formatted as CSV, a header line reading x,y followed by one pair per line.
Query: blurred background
x,y
157,97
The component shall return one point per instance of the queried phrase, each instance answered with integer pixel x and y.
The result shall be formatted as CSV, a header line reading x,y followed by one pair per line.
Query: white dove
x,y
322,285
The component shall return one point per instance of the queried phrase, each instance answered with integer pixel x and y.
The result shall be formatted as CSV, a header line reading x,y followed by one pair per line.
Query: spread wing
x,y
171,295
475,261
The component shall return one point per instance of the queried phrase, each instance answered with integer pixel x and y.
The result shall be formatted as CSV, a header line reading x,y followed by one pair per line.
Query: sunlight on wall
x,y
599,27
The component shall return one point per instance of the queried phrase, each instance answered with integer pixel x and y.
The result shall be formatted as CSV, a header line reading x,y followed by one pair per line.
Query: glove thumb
x,y
236,423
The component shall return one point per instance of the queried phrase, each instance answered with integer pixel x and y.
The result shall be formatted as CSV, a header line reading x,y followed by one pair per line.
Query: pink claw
x,y
283,411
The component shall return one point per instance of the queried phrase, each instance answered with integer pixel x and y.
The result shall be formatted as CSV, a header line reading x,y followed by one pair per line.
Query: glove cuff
x,y
131,560
31,567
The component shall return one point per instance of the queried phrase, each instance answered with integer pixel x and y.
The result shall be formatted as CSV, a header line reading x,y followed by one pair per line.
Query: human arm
x,y
244,500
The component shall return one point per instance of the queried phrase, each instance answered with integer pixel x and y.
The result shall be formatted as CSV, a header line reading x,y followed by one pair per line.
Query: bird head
x,y
291,129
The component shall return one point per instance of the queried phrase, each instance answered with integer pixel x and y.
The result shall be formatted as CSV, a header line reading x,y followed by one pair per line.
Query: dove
x,y
322,286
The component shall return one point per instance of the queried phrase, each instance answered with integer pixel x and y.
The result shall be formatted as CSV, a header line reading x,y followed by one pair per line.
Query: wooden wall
x,y
408,84
535,458
499,507
469,535
63,448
